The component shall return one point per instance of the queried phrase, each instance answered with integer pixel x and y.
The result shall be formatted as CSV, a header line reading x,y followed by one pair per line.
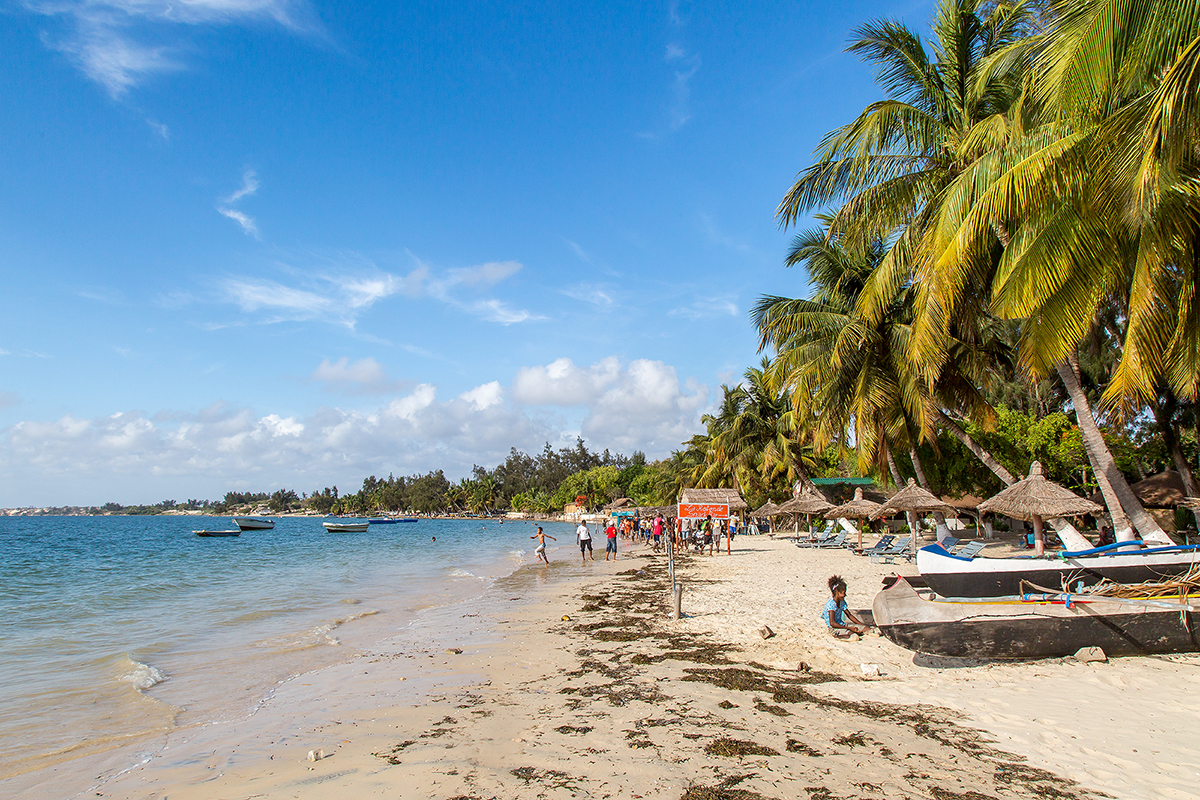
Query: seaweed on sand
x,y
778,711
393,756
720,793
565,729
553,778
738,747
797,746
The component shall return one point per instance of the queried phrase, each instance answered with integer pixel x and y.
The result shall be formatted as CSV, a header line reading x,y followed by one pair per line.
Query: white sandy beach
x,y
619,701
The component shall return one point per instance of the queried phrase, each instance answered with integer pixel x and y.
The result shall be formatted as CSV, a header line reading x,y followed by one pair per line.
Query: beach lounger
x,y
949,543
814,542
970,549
898,548
836,541
883,544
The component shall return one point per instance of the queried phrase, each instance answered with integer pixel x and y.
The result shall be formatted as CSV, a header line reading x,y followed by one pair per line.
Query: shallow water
x,y
120,629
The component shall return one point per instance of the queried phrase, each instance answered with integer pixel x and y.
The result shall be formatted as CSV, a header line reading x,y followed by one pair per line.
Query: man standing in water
x,y
541,547
584,537
610,546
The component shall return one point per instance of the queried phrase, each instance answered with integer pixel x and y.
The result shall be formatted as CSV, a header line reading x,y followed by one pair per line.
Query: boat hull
x,y
950,576
345,527
217,533
1008,629
253,523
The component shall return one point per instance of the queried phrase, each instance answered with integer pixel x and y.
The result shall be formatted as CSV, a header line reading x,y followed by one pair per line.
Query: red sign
x,y
702,510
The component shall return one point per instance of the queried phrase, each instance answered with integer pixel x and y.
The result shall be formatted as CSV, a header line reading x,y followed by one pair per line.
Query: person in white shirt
x,y
584,537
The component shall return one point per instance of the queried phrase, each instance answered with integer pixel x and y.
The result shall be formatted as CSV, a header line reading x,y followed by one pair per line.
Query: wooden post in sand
x,y
677,611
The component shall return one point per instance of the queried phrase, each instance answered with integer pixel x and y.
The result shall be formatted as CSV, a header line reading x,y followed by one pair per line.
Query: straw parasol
x,y
912,498
1034,499
767,509
1191,504
857,509
807,503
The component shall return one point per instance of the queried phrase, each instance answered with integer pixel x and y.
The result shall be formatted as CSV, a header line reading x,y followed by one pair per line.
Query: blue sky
x,y
252,244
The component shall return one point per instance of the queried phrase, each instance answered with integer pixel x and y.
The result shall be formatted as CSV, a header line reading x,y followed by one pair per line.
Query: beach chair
x,y
970,549
836,541
898,548
814,542
948,544
883,544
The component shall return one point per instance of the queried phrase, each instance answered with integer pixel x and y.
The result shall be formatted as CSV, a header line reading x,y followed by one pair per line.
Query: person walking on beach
x,y
708,535
584,537
728,537
836,612
657,532
541,547
610,545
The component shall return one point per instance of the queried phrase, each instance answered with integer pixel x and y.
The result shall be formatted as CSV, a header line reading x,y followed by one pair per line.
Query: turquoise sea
x,y
117,630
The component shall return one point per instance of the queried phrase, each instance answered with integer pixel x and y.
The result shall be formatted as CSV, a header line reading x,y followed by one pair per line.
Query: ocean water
x,y
119,630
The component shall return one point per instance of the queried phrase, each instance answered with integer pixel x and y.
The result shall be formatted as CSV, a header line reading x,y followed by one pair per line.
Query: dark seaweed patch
x,y
738,747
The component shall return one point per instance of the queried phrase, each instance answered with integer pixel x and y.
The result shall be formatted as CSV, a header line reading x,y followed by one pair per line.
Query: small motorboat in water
x,y
217,533
253,523
356,526
1124,562
1040,625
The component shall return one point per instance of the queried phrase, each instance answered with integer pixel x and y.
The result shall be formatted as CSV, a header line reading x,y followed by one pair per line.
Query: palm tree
x,y
1100,204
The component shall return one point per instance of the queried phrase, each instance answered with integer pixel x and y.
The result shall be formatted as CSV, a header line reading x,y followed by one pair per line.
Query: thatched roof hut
x,y
805,503
730,496
1164,490
1191,504
620,502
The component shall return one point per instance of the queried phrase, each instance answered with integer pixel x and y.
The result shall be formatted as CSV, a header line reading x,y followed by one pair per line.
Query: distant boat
x,y
391,520
254,523
346,527
217,533
1042,625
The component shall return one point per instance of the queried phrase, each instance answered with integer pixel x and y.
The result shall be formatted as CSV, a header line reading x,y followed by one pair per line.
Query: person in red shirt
x,y
611,545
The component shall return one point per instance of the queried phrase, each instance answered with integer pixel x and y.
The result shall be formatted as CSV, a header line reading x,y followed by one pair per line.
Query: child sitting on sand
x,y
836,612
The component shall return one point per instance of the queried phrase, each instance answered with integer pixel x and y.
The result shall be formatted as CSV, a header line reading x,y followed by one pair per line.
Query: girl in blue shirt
x,y
836,611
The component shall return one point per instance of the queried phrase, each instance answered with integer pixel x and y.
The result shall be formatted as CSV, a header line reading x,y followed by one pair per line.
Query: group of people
x,y
700,534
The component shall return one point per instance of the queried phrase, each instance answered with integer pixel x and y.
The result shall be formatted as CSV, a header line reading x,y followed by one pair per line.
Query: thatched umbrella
x,y
767,509
1034,499
807,503
857,509
1191,504
912,498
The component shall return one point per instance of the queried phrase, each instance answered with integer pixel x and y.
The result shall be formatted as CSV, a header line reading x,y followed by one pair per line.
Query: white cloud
x,y
365,376
561,383
249,186
499,311
132,456
121,43
247,222
485,275
161,129
646,409
330,298
485,396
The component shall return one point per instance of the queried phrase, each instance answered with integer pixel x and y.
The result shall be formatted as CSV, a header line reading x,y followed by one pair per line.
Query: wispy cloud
x,y
332,298
706,308
9,399
159,128
485,275
717,236
246,221
122,43
686,66
249,186
599,296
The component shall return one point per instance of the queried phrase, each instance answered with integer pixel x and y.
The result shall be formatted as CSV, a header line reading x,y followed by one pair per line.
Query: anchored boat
x,y
217,533
346,527
253,523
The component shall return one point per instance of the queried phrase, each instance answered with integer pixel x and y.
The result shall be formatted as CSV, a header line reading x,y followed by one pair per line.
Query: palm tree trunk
x,y
984,456
1123,505
912,523
938,516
